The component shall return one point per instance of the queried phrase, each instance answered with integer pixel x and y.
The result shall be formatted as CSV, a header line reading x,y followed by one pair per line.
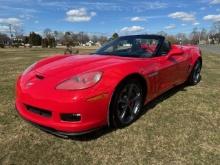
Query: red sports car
x,y
75,94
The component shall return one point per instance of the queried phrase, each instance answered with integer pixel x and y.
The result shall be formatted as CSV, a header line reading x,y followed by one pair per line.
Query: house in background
x,y
89,43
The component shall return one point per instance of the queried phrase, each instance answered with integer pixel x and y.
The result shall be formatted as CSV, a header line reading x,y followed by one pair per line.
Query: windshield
x,y
131,46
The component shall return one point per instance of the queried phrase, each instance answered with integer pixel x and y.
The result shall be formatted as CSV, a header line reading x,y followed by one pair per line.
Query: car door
x,y
182,66
167,71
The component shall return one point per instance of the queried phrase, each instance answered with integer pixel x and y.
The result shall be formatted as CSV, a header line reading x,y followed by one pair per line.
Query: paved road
x,y
211,48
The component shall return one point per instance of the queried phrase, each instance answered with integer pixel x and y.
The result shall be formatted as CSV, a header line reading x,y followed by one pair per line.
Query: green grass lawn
x,y
180,127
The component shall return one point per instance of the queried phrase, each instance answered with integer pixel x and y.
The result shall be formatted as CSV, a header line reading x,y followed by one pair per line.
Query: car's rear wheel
x,y
126,103
195,75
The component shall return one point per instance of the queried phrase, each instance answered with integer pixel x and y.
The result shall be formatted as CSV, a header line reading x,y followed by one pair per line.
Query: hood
x,y
77,64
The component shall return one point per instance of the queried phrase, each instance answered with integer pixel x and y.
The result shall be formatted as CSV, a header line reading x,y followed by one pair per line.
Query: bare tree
x,y
49,39
18,31
56,33
195,36
172,39
48,33
94,38
182,37
162,33
83,37
216,27
103,39
4,39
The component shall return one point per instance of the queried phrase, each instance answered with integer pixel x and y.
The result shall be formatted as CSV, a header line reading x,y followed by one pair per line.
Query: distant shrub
x,y
69,50
15,45
44,43
2,45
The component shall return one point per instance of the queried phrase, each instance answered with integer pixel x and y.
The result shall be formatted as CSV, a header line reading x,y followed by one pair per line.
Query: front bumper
x,y
93,110
56,132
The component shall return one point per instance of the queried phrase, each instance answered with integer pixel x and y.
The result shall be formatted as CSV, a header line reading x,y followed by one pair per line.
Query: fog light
x,y
70,117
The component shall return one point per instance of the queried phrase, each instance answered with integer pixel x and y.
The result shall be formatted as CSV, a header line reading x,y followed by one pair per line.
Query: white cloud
x,y
152,5
183,16
26,16
36,22
5,24
213,18
138,19
132,29
107,5
196,23
143,6
4,29
79,15
183,24
214,2
12,21
93,13
169,27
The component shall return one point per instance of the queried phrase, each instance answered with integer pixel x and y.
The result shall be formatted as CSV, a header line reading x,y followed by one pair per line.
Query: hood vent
x,y
39,77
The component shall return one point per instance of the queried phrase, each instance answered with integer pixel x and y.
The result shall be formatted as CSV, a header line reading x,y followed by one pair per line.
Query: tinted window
x,y
131,46
165,48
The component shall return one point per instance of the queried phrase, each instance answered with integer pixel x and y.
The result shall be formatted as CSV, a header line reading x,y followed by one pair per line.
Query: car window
x,y
165,48
122,45
132,46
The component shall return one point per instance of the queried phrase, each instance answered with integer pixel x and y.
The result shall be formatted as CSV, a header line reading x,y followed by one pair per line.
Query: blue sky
x,y
106,17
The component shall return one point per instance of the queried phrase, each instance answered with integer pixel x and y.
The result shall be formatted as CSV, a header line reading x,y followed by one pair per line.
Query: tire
x,y
195,75
127,103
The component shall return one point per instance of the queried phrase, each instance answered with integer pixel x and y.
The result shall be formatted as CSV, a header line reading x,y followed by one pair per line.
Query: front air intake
x,y
38,111
70,117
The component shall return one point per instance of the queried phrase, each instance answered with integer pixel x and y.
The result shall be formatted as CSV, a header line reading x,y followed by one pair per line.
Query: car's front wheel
x,y
195,75
126,103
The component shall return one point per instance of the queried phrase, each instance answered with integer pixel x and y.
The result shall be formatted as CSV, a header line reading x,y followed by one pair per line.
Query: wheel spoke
x,y
136,97
122,100
199,70
130,109
196,74
130,90
123,113
129,102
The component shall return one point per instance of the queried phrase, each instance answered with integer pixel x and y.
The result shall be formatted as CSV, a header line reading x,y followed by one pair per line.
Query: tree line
x,y
51,38
197,36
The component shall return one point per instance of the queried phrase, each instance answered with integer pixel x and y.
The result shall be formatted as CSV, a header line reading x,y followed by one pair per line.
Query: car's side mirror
x,y
176,52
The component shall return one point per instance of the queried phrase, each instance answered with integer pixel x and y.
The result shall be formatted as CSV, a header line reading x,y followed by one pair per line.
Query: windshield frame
x,y
160,39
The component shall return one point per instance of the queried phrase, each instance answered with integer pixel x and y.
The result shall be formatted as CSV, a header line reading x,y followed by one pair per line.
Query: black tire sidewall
x,y
191,78
114,121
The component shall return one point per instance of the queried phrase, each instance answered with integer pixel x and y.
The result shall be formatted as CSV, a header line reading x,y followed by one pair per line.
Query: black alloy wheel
x,y
195,76
127,103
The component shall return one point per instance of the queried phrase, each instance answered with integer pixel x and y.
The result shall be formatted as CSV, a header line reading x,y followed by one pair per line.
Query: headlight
x,y
29,68
81,81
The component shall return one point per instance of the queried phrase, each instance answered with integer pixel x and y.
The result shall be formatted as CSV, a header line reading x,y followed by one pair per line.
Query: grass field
x,y
180,127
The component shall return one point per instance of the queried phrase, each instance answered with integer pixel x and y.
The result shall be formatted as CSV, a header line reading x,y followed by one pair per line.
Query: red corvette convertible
x,y
75,94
